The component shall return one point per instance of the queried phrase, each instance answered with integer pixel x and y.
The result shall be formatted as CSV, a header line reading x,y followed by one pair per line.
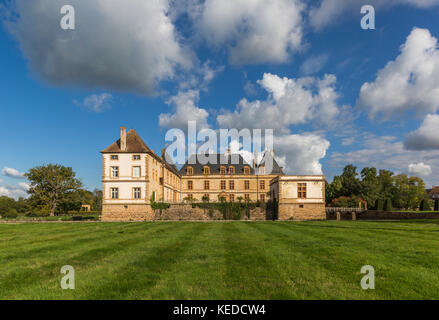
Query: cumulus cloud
x,y
426,137
419,169
185,109
301,154
254,31
314,64
410,82
386,152
12,173
328,11
289,102
18,191
96,102
118,45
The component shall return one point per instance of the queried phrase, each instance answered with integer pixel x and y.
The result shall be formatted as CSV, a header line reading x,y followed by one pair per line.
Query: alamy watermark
x,y
368,21
368,281
202,146
68,281
68,21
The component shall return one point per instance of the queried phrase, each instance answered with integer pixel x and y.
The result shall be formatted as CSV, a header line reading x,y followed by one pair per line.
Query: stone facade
x,y
132,174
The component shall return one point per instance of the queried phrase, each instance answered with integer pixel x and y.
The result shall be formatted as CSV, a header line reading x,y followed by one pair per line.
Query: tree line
x,y
381,189
54,190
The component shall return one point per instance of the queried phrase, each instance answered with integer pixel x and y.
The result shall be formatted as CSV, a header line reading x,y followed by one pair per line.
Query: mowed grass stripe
x,y
139,273
343,255
44,272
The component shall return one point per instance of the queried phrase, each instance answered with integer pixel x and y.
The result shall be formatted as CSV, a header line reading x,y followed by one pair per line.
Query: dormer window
x,y
190,171
231,170
261,170
223,170
246,170
206,170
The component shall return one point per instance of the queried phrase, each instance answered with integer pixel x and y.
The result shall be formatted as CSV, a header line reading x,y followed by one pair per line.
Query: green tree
x,y
408,192
436,205
333,190
52,183
388,205
370,185
425,205
350,183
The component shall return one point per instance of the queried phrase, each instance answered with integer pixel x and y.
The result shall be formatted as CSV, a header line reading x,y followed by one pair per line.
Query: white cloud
x,y
185,105
386,152
419,169
253,31
426,137
314,64
121,45
97,103
329,11
289,102
301,154
12,173
14,191
411,82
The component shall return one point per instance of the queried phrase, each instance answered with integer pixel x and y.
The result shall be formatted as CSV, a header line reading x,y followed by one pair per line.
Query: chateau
x,y
132,174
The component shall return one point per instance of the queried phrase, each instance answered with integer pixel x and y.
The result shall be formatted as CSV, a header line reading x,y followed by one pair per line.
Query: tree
x,y
436,205
350,183
388,205
333,190
52,183
379,205
425,205
370,185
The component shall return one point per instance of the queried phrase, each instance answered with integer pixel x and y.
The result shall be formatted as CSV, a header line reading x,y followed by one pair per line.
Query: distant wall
x,y
382,215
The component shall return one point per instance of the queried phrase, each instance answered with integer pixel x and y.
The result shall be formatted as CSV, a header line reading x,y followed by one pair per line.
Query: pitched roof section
x,y
221,160
269,157
135,144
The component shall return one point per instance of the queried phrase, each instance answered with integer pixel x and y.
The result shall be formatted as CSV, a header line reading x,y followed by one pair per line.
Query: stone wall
x,y
132,212
383,215
294,211
176,212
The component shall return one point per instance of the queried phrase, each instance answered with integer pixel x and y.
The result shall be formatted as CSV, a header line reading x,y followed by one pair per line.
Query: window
x,y
206,170
232,197
190,185
223,170
261,170
247,185
137,194
206,185
114,157
232,185
262,197
136,157
136,172
114,193
301,190
301,206
114,172
223,185
262,184
246,170
247,197
190,171
190,196
231,170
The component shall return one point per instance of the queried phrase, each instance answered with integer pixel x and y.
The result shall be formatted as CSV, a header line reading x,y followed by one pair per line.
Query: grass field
x,y
220,260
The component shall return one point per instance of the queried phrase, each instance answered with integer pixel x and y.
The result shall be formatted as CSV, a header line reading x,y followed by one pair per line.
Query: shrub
x,y
11,214
388,205
425,205
436,205
379,205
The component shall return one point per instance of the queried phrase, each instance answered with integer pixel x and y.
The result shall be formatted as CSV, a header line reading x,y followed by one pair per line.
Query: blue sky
x,y
50,85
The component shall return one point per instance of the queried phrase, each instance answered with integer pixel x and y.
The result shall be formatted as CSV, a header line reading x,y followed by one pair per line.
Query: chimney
x,y
123,139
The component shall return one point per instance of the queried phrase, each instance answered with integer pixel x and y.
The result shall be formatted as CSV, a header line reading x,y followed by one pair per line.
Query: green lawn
x,y
220,260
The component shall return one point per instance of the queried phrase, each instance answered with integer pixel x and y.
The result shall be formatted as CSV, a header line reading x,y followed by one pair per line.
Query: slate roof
x,y
268,157
223,160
